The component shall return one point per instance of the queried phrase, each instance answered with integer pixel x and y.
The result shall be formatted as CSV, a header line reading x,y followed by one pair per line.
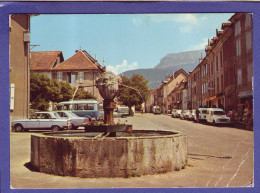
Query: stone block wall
x,y
108,157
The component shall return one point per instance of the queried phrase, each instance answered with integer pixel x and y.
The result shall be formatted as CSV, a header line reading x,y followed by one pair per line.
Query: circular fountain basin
x,y
85,154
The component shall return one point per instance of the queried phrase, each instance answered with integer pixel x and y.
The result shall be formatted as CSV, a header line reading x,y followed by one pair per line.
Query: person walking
x,y
197,115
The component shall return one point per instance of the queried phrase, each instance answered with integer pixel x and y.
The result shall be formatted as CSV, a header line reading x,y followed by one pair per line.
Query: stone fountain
x,y
108,86
108,150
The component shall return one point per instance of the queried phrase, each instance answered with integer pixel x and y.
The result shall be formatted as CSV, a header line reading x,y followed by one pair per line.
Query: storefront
x,y
215,101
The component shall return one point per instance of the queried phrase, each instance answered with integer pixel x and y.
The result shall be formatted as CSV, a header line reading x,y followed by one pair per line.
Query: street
x,y
218,156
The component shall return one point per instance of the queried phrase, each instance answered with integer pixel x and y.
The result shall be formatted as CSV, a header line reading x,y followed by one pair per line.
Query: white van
x,y
203,114
217,116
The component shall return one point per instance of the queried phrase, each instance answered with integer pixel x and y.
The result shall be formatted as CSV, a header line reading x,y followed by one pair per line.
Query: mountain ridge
x,y
169,64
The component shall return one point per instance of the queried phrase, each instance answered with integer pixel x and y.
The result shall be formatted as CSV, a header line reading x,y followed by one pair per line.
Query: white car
x,y
193,115
75,119
176,113
185,114
217,116
40,121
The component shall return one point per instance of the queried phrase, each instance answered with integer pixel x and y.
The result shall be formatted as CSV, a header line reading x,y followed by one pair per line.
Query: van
x,y
203,114
217,116
82,108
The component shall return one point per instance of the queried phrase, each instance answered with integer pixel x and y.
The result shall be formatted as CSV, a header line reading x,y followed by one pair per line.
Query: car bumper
x,y
223,121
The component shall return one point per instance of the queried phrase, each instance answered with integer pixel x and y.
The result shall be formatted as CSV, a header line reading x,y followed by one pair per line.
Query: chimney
x,y
200,60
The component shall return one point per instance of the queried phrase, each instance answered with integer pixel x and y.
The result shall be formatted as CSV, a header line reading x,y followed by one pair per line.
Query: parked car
x,y
76,121
157,110
217,116
42,120
176,113
193,115
121,112
203,114
185,114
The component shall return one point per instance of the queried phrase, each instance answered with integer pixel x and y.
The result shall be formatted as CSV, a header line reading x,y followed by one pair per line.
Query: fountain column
x,y
108,86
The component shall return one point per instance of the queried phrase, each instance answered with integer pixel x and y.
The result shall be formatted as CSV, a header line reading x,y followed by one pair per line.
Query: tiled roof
x,y
81,60
44,60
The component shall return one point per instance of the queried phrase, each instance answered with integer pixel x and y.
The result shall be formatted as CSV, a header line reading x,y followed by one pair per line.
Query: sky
x,y
124,41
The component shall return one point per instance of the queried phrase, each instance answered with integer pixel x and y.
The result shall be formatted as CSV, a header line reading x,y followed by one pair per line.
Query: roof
x,y
78,102
44,60
81,60
178,86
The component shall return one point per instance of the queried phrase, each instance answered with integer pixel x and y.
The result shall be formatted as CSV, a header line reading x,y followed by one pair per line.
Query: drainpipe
x,y
28,69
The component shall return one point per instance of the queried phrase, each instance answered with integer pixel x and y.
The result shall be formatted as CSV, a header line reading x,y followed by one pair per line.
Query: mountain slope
x,y
168,65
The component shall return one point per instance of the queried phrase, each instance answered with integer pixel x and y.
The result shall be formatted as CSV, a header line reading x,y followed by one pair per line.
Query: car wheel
x,y
74,127
55,128
18,128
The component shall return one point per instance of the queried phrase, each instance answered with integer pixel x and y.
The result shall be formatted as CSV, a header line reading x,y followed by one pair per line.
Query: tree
x,y
82,94
134,90
43,90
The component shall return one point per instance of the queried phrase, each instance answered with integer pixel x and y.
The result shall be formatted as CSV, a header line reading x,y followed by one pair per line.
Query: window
x,y
239,77
238,47
248,20
73,78
81,76
250,72
216,63
249,40
237,28
217,84
222,82
221,64
59,76
211,68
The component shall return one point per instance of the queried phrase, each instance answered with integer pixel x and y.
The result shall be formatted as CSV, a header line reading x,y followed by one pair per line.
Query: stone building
x,y
19,45
224,77
42,62
80,70
243,41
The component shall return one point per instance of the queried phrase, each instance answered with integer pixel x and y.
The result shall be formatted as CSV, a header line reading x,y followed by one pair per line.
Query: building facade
x,y
224,77
43,62
80,70
19,45
243,40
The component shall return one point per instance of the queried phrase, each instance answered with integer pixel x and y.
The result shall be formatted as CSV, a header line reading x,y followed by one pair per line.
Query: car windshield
x,y
219,113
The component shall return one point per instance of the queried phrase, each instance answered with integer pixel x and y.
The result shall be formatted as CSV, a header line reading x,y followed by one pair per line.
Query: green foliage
x,y
82,94
131,96
43,90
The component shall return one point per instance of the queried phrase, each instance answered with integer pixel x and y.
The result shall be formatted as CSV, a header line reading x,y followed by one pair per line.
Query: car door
x,y
33,122
45,121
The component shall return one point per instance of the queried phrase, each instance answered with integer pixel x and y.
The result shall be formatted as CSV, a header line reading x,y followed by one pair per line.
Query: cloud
x,y
200,45
178,18
119,68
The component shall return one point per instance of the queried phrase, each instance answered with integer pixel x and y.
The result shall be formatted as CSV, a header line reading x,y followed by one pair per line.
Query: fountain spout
x,y
108,86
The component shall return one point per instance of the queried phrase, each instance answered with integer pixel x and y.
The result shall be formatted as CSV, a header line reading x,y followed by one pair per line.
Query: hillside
x,y
169,64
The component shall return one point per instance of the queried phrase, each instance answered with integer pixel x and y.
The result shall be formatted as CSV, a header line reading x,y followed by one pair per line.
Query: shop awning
x,y
245,94
209,99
